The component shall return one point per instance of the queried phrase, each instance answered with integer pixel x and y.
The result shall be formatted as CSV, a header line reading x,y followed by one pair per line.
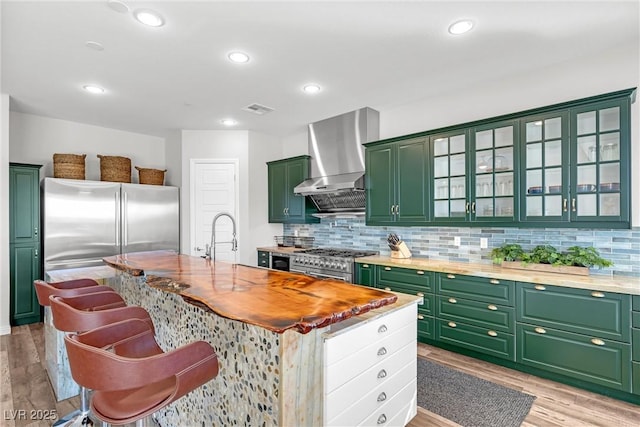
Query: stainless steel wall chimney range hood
x,y
337,161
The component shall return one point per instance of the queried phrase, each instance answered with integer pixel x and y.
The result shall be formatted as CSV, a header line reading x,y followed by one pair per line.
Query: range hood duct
x,y
337,161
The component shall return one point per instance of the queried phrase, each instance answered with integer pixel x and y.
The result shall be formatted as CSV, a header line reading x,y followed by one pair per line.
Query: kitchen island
x,y
270,330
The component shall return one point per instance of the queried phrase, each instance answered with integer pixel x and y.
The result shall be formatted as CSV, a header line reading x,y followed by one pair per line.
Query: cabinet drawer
x,y
425,327
420,279
346,344
411,290
635,368
263,259
489,316
635,319
488,341
397,410
636,303
492,291
368,392
350,367
601,314
585,357
635,341
366,274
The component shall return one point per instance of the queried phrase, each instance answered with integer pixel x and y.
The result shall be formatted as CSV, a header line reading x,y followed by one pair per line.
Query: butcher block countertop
x,y
274,300
618,284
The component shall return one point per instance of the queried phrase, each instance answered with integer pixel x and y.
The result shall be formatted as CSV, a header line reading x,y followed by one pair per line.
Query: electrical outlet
x,y
484,243
456,240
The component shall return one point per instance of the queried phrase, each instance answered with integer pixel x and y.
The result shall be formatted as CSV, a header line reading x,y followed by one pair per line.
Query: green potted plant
x,y
576,260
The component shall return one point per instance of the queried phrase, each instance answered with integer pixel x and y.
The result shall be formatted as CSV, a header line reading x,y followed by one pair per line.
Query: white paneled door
x,y
214,189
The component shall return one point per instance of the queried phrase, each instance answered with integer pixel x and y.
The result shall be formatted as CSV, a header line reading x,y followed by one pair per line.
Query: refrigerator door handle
x,y
125,221
117,205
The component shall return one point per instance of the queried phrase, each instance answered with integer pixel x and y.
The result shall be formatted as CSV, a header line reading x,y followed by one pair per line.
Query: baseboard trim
x,y
5,330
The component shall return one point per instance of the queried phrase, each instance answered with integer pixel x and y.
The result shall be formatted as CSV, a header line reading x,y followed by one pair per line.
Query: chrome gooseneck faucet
x,y
211,248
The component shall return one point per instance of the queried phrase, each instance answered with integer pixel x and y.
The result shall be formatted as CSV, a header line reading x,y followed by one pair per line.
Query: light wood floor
x,y
24,385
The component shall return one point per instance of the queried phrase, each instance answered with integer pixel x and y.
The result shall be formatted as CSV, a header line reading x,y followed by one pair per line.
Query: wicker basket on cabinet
x,y
70,166
151,176
115,168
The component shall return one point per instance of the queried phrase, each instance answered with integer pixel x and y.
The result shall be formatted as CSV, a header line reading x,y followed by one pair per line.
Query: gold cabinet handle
x,y
466,207
452,300
420,294
365,265
450,276
564,205
540,330
420,272
382,397
452,324
494,281
387,288
382,329
387,268
393,209
597,294
573,204
539,288
473,207
597,341
492,333
420,317
382,351
397,209
492,307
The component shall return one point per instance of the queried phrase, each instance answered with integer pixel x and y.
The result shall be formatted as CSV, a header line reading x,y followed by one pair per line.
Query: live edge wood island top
x,y
274,300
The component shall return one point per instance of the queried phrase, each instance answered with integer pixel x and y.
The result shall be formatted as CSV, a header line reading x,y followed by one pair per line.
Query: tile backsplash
x,y
620,246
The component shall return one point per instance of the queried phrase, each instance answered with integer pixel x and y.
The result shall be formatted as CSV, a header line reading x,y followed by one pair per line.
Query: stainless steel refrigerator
x,y
84,221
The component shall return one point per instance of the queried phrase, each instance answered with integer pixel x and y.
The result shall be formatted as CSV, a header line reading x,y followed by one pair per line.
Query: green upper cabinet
x,y
284,205
600,153
397,190
544,192
474,174
24,203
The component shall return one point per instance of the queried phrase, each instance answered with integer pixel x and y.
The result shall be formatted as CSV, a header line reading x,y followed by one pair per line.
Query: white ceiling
x,y
363,53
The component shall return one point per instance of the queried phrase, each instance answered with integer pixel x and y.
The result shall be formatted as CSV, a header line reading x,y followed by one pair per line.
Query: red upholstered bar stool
x,y
70,288
127,385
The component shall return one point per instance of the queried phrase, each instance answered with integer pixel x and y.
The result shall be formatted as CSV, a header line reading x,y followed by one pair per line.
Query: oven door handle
x,y
319,275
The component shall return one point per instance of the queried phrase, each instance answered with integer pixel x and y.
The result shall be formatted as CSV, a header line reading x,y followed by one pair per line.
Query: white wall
x,y
173,158
34,139
5,313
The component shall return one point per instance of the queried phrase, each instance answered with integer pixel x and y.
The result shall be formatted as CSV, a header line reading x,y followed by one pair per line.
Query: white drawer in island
x,y
370,367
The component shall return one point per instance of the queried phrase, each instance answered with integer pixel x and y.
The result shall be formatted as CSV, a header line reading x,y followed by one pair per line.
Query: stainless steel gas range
x,y
327,262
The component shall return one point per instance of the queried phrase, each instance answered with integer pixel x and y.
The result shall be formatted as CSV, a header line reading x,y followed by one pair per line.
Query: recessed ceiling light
x,y
118,6
228,122
238,57
149,17
94,45
311,88
93,89
461,27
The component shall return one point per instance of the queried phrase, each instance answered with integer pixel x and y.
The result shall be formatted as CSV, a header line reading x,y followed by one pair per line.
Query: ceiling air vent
x,y
258,109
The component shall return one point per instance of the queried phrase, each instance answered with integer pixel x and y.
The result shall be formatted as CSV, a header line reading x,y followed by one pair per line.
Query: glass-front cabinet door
x,y
599,142
494,180
545,178
449,154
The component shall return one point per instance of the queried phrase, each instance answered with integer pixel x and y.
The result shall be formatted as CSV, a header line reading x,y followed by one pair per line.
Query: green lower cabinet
x,y
24,269
636,303
492,291
482,340
426,324
489,316
588,358
602,314
365,275
263,259
635,368
421,280
635,340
